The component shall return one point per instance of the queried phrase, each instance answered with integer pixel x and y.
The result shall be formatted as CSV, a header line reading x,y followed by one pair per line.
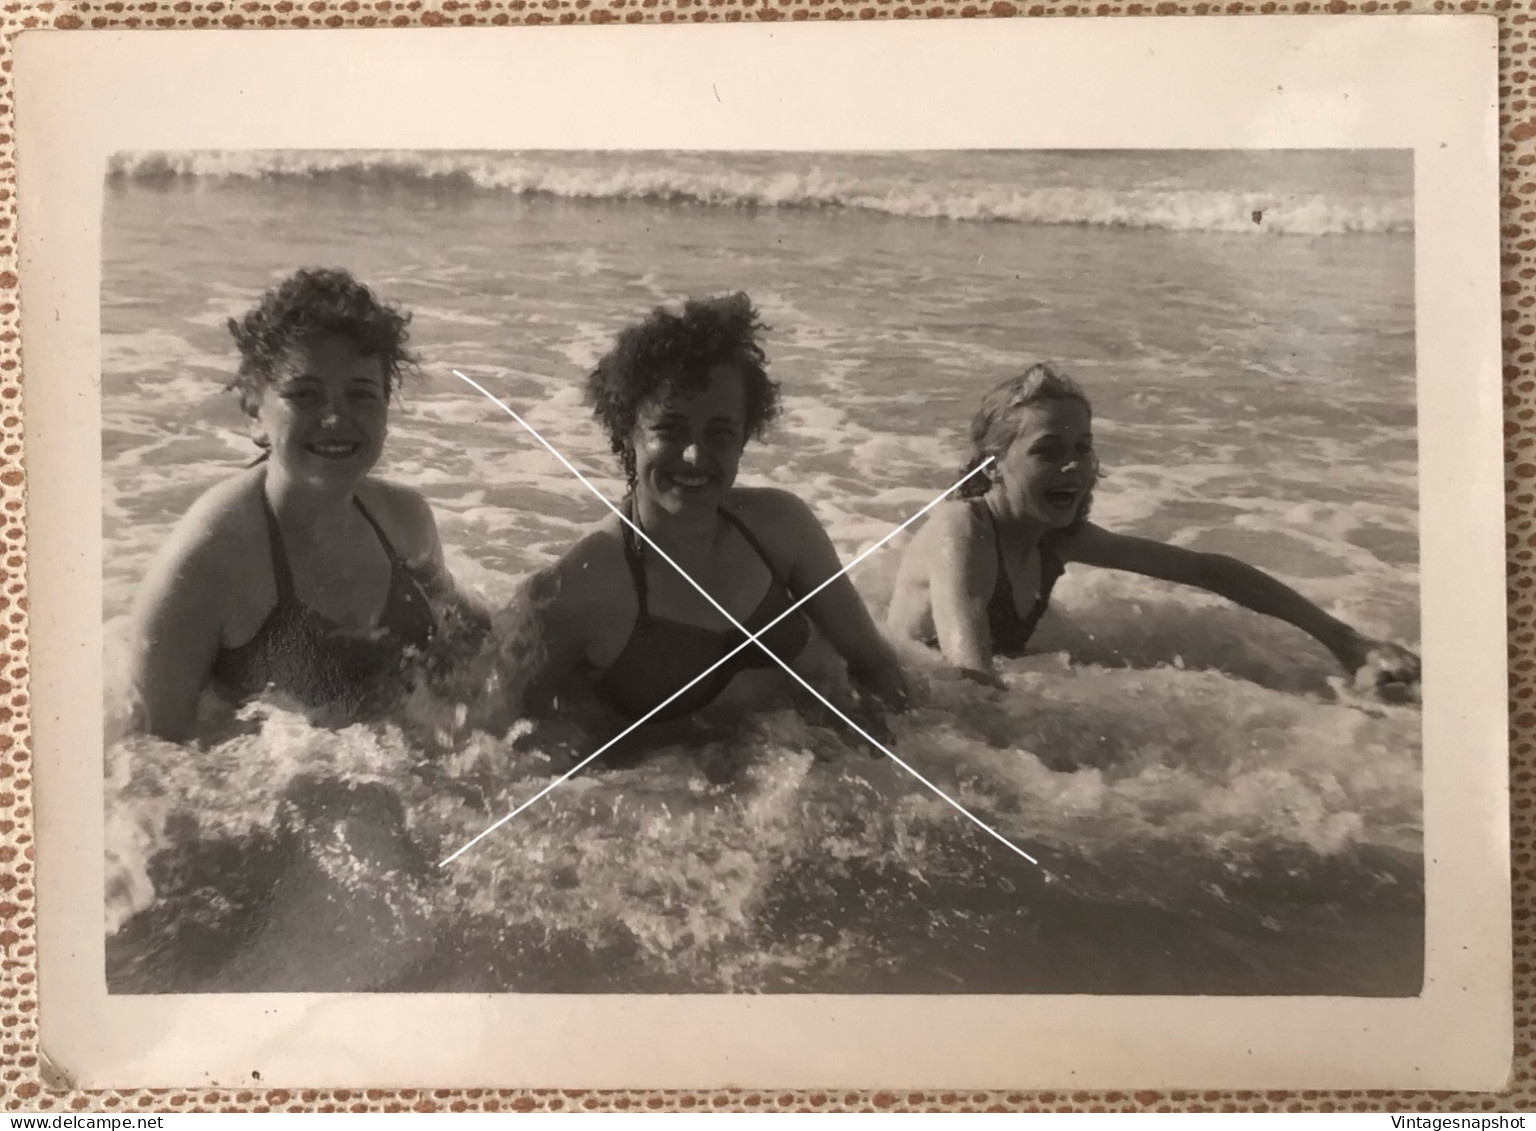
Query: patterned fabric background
x,y
24,1085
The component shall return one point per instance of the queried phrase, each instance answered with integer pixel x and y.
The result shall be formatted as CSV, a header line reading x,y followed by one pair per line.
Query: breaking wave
x,y
674,179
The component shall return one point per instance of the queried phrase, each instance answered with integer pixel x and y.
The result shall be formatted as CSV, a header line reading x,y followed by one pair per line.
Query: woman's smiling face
x,y
1050,467
688,445
325,415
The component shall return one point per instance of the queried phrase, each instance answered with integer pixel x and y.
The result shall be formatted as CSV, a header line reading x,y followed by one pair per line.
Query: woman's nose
x,y
692,451
1072,466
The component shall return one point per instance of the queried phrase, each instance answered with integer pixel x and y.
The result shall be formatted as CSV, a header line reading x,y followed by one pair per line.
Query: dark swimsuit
x,y
663,655
300,653
1011,632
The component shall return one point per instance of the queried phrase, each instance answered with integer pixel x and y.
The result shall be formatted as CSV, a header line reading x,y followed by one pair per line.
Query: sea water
x,y
1210,811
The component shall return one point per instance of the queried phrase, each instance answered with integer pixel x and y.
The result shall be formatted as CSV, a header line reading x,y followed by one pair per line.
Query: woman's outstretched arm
x,y
1384,662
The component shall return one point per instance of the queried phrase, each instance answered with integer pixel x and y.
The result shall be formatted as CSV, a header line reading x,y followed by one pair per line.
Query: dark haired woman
x,y
301,575
679,395
978,576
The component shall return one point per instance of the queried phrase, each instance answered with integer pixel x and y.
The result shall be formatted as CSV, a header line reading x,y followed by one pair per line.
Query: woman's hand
x,y
988,679
1381,668
872,713
844,701
884,688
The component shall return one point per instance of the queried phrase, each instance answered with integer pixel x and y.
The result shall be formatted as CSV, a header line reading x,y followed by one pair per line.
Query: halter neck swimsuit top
x,y
1011,632
298,652
663,655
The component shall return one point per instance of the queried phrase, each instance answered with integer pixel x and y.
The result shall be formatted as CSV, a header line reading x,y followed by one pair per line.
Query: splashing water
x,y
1212,814
1222,815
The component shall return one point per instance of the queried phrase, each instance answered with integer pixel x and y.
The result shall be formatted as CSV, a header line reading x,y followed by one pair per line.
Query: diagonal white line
x,y
748,642
751,639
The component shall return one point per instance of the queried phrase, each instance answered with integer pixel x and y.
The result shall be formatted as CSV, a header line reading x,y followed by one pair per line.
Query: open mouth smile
x,y
334,449
1063,497
690,480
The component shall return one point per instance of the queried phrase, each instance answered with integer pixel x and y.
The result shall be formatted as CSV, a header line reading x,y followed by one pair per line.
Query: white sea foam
x,y
1173,760
653,178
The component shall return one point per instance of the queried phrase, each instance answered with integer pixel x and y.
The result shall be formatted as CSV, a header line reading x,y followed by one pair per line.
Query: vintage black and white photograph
x,y
1132,710
570,550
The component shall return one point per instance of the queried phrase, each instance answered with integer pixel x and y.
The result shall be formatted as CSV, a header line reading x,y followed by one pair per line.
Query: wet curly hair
x,y
313,301
669,353
995,426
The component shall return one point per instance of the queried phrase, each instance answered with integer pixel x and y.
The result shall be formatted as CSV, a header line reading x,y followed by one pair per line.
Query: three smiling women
x,y
308,577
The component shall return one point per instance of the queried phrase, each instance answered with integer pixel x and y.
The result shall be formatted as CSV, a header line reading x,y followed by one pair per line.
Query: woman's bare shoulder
x,y
953,541
772,507
224,519
953,523
591,571
211,548
782,522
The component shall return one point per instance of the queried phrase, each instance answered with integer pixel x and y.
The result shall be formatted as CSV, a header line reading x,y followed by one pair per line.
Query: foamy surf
x,y
1211,805
1213,811
667,179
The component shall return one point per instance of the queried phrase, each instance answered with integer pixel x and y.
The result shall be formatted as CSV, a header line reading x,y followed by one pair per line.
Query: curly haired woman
x,y
301,575
679,395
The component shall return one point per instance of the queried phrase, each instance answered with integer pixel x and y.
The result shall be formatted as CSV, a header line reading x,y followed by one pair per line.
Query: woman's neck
x,y
304,507
679,536
1020,533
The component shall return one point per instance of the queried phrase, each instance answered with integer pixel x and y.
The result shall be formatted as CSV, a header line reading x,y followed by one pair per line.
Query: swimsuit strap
x,y
757,547
997,543
634,558
634,554
1051,565
997,537
1051,568
281,574
389,550
1010,631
